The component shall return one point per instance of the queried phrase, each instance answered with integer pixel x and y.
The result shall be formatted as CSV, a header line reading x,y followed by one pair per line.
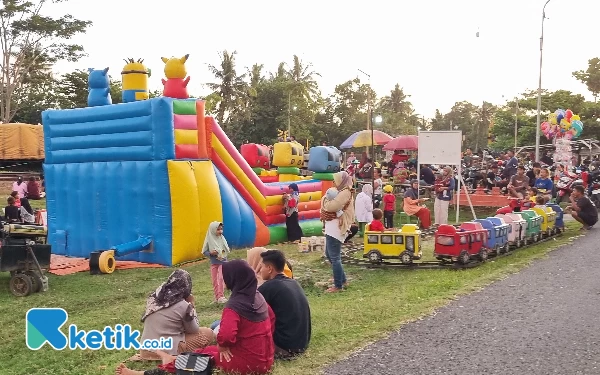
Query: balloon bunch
x,y
562,124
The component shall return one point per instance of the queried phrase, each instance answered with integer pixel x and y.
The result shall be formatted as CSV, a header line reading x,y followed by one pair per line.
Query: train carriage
x,y
534,222
491,235
517,235
404,244
559,223
501,229
461,244
548,219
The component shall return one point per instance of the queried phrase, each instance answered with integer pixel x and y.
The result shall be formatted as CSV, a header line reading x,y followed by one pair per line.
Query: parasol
x,y
363,139
403,142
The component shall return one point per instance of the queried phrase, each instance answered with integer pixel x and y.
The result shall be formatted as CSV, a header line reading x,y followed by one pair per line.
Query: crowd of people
x,y
18,209
266,317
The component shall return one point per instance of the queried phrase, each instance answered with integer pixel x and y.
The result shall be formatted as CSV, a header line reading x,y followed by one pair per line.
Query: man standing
x,y
582,208
444,189
287,299
518,183
534,173
511,165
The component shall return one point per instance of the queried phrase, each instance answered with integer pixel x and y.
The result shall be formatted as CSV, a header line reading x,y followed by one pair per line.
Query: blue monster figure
x,y
99,88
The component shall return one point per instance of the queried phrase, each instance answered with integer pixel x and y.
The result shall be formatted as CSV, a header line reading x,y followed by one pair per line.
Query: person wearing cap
x,y
412,205
389,206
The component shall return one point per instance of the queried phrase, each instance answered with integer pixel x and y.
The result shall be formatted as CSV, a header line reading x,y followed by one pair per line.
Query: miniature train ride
x,y
465,245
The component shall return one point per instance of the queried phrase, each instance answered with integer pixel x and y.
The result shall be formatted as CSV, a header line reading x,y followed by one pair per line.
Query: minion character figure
x,y
175,86
135,81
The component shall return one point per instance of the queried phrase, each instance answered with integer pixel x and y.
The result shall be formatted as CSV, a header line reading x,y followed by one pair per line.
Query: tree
x,y
72,90
303,80
231,87
396,111
591,77
28,39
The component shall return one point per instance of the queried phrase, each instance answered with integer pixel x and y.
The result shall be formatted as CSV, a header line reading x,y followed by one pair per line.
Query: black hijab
x,y
245,299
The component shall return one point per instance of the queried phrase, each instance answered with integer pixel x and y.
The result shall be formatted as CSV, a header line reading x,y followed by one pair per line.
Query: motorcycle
x,y
594,187
564,186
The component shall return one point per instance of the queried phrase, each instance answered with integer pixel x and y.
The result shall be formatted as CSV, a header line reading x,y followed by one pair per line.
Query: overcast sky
x,y
429,47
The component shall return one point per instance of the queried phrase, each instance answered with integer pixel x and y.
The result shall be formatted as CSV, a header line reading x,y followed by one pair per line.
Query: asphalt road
x,y
542,320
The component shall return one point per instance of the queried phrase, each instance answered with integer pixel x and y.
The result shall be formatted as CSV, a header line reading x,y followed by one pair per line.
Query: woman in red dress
x,y
245,338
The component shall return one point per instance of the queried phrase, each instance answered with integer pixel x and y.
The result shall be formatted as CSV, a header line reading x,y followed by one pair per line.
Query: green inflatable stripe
x,y
312,227
278,234
309,228
184,107
258,171
288,170
324,176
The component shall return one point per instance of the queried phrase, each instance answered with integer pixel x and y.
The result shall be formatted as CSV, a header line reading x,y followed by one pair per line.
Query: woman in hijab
x,y
412,205
364,207
338,229
290,204
245,338
170,312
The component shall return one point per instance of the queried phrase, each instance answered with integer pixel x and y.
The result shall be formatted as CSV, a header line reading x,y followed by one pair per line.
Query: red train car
x,y
256,155
461,244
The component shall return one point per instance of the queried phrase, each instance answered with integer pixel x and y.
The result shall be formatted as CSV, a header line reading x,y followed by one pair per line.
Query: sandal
x,y
333,290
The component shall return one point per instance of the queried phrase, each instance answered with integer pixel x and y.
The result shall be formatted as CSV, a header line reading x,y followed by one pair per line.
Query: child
x,y
540,200
15,195
215,247
11,211
376,225
330,195
389,206
532,193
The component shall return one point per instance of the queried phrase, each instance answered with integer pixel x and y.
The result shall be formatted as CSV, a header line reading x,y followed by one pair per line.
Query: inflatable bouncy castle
x,y
157,170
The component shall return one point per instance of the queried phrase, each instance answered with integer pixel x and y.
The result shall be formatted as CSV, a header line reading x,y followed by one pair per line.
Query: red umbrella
x,y
403,142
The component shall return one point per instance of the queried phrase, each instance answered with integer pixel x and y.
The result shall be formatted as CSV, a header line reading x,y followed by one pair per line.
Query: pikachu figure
x,y
175,86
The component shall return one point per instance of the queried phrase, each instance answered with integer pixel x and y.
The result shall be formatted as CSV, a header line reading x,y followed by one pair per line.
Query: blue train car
x,y
502,230
559,224
491,237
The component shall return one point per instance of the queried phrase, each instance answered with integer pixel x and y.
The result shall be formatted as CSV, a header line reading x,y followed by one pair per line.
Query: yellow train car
x,y
548,219
288,154
404,245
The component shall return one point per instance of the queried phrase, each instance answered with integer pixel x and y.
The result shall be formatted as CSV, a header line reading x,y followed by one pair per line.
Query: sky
x,y
429,47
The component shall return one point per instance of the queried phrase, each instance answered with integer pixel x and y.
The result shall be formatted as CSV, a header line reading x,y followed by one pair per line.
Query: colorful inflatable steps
x,y
186,123
323,176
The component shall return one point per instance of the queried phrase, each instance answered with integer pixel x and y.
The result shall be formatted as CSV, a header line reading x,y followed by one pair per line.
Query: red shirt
x,y
251,345
389,201
376,226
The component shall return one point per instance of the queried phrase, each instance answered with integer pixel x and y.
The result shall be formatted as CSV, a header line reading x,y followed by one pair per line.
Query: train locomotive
x,y
471,241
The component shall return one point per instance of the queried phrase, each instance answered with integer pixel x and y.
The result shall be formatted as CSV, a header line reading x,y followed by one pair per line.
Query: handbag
x,y
193,364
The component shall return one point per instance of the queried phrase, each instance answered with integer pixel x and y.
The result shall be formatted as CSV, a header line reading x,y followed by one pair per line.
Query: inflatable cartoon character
x,y
99,88
175,86
135,81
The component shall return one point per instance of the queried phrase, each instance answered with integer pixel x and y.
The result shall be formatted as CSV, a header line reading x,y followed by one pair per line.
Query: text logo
x,y
43,325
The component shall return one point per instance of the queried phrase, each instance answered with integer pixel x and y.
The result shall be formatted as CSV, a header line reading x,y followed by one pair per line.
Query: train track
x,y
349,250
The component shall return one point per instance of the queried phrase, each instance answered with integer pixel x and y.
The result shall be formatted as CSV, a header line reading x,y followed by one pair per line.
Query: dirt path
x,y
543,320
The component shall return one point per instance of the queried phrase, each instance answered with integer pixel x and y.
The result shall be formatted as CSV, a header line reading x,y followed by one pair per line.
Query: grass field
x,y
377,302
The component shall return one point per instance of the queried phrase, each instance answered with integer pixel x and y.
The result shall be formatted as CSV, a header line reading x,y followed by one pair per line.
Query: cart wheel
x,y
107,263
36,281
406,258
464,257
20,285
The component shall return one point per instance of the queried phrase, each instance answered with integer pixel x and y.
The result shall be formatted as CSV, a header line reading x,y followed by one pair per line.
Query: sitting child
x,y
532,193
330,195
540,200
376,225
15,195
11,211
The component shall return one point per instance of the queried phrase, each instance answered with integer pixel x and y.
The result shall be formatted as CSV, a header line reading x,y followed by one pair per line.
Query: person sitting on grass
x,y
245,337
582,209
15,195
26,212
376,225
11,212
170,312
288,301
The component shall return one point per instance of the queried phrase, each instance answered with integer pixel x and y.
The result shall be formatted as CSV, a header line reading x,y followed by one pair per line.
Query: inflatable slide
x,y
158,168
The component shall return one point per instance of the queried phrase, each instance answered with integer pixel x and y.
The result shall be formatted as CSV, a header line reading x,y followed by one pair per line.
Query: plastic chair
x,y
405,218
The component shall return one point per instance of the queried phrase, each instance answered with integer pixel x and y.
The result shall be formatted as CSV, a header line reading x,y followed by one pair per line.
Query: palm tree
x,y
231,88
396,102
303,80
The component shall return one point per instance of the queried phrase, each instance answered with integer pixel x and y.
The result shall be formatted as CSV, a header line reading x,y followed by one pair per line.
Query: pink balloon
x,y
569,136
